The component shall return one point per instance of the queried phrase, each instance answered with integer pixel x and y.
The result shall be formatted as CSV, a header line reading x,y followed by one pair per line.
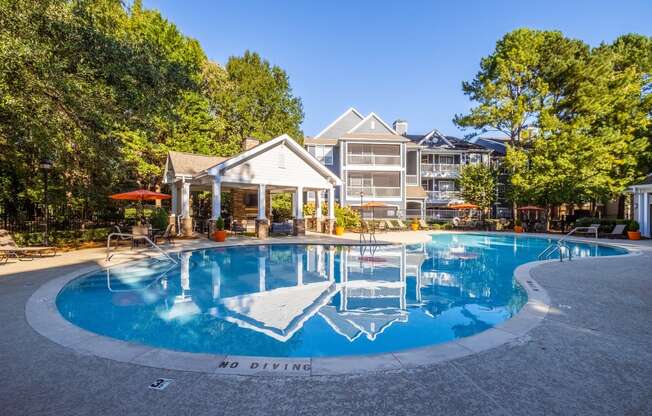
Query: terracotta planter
x,y
339,230
415,226
219,236
634,235
518,229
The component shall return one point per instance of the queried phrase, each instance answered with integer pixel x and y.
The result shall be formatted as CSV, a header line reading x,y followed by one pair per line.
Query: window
x,y
446,185
323,153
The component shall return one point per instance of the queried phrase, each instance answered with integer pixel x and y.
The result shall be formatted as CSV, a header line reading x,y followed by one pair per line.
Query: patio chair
x,y
165,235
390,226
617,232
138,233
238,228
282,228
8,247
402,225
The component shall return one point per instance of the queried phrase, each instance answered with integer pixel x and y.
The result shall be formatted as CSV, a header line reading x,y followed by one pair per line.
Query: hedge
x,y
64,238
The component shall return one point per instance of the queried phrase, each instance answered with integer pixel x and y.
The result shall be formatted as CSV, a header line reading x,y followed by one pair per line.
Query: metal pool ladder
x,y
560,245
131,236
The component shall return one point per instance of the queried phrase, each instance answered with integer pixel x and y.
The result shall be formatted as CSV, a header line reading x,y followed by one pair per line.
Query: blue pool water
x,y
311,300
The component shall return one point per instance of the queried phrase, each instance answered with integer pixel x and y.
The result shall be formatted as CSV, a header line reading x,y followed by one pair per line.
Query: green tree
x,y
257,101
477,184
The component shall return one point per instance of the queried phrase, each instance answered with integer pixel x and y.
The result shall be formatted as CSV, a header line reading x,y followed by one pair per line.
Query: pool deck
x,y
591,354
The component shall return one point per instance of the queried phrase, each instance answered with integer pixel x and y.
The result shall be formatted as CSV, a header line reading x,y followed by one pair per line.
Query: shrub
x,y
281,207
346,217
436,226
633,226
64,238
219,224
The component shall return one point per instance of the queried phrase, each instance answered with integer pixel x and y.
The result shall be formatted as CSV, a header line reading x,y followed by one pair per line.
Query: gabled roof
x,y
283,139
646,181
372,124
436,140
341,125
189,164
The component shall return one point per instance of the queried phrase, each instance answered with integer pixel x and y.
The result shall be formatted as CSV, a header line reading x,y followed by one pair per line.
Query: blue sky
x,y
400,59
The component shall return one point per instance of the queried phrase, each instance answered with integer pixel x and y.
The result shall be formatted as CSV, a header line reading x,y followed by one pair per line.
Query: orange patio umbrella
x,y
463,206
140,195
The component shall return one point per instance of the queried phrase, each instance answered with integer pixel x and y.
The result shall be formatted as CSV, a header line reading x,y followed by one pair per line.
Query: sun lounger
x,y
591,230
402,225
9,248
390,226
423,225
617,232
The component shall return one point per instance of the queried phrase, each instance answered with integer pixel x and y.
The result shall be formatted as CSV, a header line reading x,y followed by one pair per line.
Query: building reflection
x,y
359,292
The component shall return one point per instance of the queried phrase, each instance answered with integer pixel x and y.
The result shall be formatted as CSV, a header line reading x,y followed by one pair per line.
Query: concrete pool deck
x,y
589,355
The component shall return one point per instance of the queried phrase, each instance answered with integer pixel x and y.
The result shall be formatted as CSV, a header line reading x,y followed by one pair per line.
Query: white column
x,y
331,203
318,202
185,200
216,276
261,202
216,209
175,198
298,214
299,264
645,216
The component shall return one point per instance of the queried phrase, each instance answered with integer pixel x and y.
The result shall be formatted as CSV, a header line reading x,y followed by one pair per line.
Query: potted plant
x,y
219,234
339,226
633,232
415,224
518,226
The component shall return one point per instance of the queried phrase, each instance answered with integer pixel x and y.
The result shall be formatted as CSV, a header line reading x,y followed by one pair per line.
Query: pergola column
x,y
330,221
186,222
262,223
299,223
216,206
318,214
172,219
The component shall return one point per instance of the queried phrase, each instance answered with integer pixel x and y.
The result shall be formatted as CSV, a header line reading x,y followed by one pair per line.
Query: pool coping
x,y
43,316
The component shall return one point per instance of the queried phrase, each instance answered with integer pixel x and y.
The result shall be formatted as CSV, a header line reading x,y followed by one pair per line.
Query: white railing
x,y
372,159
443,195
411,179
373,191
440,167
444,214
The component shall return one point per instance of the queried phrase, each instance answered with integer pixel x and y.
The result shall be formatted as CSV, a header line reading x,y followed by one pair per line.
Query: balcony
x,y
353,192
440,170
373,159
411,180
443,195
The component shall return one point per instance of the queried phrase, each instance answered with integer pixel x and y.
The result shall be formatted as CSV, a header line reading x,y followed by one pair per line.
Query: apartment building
x,y
411,175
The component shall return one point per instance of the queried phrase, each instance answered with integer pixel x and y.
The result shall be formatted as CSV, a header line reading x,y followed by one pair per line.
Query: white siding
x,y
277,166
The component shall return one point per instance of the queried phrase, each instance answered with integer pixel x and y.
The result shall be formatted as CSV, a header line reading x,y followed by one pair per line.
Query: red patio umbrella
x,y
140,195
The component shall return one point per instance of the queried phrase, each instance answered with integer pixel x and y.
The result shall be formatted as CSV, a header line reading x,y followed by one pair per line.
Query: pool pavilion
x,y
251,177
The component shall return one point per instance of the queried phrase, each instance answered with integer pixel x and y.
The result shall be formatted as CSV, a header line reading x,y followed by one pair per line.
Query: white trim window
x,y
322,153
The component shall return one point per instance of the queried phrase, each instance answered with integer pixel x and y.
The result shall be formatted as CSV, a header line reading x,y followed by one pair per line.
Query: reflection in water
x,y
309,300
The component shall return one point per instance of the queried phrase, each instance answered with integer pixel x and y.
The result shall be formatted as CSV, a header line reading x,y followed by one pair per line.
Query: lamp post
x,y
46,165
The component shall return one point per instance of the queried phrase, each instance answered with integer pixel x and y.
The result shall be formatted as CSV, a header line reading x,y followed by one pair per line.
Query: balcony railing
x,y
412,179
443,195
443,214
373,192
373,159
447,168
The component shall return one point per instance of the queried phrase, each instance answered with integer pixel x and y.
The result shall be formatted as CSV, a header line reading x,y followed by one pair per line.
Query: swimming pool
x,y
287,300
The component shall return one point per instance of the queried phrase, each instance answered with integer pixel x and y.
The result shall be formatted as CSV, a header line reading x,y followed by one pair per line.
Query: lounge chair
x,y
423,225
8,247
402,225
390,226
617,232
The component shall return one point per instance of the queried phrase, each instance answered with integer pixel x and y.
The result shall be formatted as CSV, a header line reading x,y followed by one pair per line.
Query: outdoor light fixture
x,y
46,166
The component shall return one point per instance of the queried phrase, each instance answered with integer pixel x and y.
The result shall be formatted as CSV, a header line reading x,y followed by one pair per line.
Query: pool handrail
x,y
140,237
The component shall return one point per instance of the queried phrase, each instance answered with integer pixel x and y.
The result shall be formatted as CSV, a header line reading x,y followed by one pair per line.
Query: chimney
x,y
401,127
250,142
